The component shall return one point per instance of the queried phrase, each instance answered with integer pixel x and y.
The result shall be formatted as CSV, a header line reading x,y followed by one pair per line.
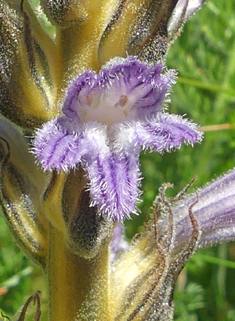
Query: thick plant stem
x,y
78,288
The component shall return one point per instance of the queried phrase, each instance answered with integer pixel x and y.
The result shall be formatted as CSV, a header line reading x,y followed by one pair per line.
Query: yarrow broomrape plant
x,y
80,98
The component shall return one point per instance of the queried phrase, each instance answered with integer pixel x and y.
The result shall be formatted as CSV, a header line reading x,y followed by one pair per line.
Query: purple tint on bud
x,y
215,213
183,10
118,243
108,118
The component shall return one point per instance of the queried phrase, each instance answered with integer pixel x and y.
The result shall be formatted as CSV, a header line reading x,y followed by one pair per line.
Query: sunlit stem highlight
x,y
78,288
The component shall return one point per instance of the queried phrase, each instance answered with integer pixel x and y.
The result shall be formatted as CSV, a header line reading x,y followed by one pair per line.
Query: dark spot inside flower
x,y
123,100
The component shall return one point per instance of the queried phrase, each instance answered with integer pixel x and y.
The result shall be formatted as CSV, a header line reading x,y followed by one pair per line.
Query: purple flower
x,y
108,118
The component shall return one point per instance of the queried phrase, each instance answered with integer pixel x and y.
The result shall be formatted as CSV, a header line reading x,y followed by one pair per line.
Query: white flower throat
x,y
107,108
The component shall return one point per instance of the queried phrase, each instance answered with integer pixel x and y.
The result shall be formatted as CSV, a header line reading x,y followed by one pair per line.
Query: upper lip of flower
x,y
123,88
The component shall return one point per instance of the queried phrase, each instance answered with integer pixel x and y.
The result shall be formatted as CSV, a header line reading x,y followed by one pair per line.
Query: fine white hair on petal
x,y
108,118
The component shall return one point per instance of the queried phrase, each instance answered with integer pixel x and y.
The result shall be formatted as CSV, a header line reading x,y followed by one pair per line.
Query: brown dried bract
x,y
35,298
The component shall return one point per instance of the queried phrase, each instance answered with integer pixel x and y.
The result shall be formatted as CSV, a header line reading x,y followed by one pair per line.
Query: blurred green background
x,y
204,56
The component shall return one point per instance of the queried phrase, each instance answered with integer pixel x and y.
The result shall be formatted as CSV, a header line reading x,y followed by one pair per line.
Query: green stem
x,y
78,288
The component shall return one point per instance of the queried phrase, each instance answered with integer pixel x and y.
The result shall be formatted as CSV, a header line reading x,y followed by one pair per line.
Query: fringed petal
x,y
53,145
61,144
114,180
162,133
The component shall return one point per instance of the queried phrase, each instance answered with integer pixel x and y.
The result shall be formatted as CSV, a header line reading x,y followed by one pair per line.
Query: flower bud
x,y
22,184
139,28
25,87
